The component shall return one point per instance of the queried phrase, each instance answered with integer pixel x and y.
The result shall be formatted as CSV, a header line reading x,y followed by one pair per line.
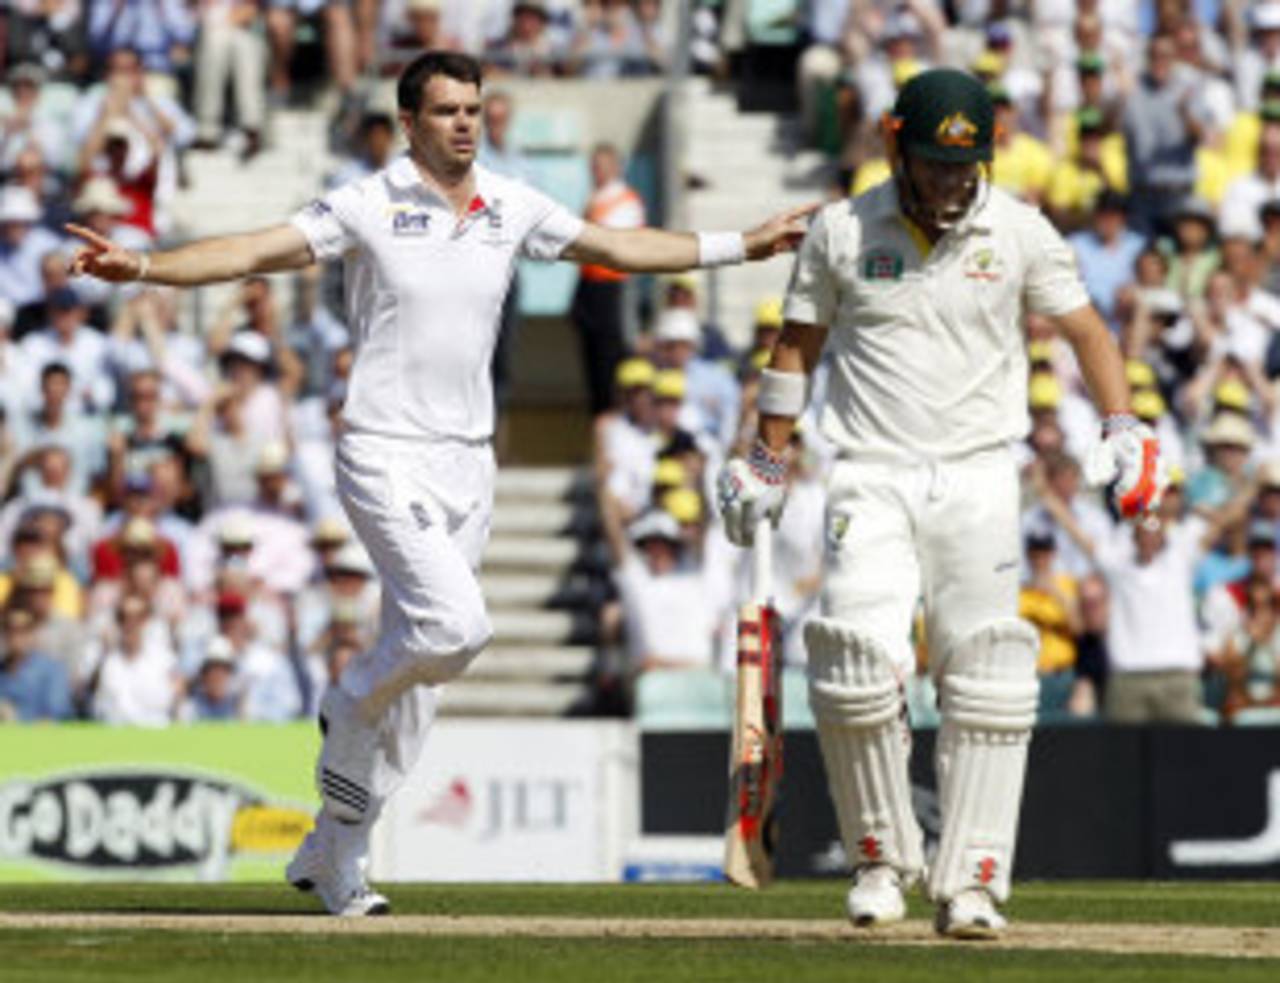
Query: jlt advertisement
x,y
514,801
204,802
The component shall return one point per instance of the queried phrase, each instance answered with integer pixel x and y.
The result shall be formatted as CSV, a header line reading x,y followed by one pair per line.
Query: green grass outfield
x,y
278,947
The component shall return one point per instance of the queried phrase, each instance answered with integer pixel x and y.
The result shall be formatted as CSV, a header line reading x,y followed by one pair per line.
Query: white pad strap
x,y
989,694
782,393
857,705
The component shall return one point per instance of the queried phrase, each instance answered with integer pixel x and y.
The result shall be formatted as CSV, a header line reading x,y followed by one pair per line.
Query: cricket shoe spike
x,y
876,896
338,881
971,914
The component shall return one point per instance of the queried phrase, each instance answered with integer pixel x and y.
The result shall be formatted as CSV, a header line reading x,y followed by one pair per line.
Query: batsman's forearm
x,y
1100,360
788,356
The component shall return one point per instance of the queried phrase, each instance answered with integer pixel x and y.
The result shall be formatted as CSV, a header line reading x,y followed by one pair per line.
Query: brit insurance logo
x,y
407,220
123,821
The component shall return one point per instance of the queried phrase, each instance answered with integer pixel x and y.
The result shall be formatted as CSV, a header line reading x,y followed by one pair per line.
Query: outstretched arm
x,y
658,251
280,247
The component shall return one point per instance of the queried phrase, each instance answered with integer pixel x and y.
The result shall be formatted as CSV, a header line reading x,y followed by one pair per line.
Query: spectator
x,y
253,311
1022,164
1078,184
1106,254
337,23
32,685
142,436
1246,195
375,142
1058,473
1227,442
1194,256
1261,56
213,694
145,336
1048,599
70,341
598,310
1152,635
47,32
160,32
28,123
1088,691
30,544
18,377
134,680
528,48
1162,130
412,26
711,401
134,136
142,553
52,493
625,453
23,244
56,635
230,45
140,516
611,42
267,684
669,621
349,590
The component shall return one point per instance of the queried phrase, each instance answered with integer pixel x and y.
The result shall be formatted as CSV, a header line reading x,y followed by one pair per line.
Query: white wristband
x,y
721,248
781,393
144,267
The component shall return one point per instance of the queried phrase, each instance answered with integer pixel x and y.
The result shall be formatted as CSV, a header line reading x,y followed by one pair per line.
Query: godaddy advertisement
x,y
202,802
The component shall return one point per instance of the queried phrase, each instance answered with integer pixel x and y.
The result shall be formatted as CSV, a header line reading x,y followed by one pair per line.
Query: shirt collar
x,y
402,173
886,207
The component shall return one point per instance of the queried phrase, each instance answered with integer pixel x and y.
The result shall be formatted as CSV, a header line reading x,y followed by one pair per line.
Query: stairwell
x,y
747,167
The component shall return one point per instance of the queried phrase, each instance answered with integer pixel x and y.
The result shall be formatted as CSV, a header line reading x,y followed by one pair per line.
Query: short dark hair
x,y
55,368
451,64
375,120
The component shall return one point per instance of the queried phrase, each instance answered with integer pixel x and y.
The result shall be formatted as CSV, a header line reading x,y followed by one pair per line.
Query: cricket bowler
x,y
429,245
919,287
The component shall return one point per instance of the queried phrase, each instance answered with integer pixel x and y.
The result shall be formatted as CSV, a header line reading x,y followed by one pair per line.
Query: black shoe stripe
x,y
332,777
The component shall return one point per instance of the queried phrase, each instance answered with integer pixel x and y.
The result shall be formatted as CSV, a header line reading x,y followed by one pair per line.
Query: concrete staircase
x,y
539,575
752,169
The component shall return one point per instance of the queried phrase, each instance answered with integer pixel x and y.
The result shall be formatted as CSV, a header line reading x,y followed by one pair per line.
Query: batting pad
x,y
988,692
857,705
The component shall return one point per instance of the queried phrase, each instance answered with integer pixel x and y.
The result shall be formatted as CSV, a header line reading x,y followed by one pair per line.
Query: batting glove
x,y
750,489
1129,455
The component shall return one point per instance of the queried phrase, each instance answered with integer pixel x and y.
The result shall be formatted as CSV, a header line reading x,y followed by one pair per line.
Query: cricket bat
x,y
755,765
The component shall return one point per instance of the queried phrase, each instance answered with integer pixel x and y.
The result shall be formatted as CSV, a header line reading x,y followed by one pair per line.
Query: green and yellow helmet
x,y
944,114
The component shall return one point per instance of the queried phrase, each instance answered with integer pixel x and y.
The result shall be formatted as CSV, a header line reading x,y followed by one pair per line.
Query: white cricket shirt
x,y
928,357
424,292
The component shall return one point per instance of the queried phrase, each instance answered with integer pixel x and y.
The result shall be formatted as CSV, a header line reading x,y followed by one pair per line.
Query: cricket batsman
x,y
429,245
920,287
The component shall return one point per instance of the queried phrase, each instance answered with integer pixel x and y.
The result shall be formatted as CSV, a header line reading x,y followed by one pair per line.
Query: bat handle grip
x,y
762,562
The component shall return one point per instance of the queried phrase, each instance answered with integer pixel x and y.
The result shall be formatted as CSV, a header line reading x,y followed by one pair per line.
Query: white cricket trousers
x,y
942,531
422,509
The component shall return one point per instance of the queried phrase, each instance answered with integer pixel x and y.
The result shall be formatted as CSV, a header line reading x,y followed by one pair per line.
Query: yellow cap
x,y
904,70
760,358
988,63
40,571
668,473
633,372
1040,351
686,281
1177,476
683,504
1044,391
1148,405
1140,374
769,313
669,384
1232,394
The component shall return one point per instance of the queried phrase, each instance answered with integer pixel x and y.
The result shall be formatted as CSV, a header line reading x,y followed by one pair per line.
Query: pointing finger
x,y
89,236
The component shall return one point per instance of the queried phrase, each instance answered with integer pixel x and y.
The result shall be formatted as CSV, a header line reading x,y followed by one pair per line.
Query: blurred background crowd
x,y
170,541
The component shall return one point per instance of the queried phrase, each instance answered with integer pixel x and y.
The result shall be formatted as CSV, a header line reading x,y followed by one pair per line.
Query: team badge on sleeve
x,y
881,264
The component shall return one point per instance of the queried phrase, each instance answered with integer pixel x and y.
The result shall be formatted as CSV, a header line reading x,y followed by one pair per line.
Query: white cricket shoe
x,y
338,881
971,914
876,896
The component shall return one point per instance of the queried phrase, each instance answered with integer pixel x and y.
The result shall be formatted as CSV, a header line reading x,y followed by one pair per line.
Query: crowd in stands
x,y
1149,132
170,543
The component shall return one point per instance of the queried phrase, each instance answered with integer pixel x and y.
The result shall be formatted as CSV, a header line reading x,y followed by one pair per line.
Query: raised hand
x,y
102,258
780,234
